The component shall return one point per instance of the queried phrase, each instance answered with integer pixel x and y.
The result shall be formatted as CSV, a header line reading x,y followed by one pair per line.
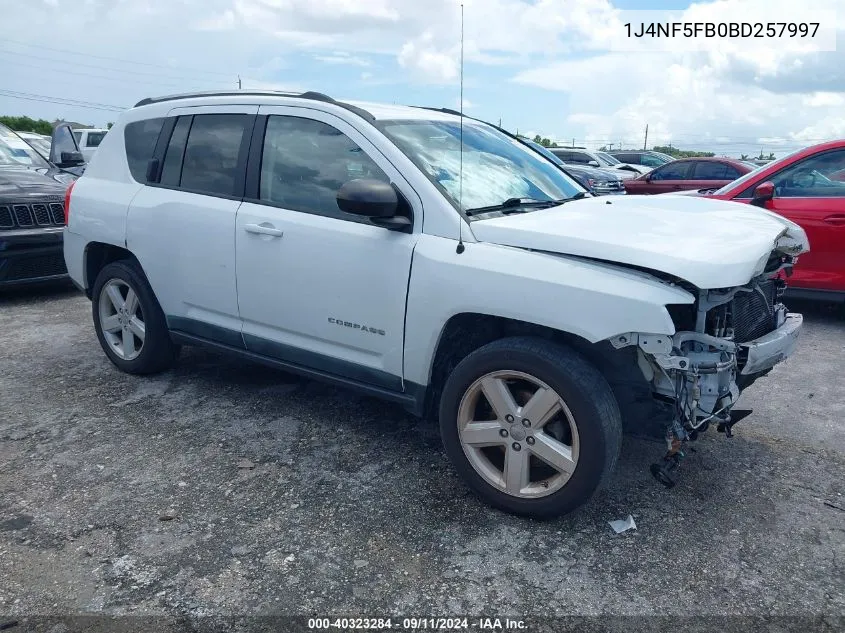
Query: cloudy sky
x,y
563,68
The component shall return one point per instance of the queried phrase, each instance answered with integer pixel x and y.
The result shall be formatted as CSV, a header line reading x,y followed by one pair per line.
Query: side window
x,y
211,153
818,176
94,139
633,159
731,172
171,170
140,140
649,161
578,157
304,163
671,171
566,157
709,170
78,137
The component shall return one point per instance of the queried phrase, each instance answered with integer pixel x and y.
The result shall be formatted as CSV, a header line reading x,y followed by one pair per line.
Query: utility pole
x,y
500,121
645,142
239,82
573,142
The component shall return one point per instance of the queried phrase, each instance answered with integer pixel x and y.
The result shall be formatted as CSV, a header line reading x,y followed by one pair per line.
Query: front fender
x,y
588,299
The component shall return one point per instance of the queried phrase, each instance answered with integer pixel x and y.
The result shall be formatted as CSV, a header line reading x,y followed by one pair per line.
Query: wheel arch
x,y
465,332
97,256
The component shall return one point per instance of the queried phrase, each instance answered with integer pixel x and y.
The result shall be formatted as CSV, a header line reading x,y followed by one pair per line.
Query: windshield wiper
x,y
512,205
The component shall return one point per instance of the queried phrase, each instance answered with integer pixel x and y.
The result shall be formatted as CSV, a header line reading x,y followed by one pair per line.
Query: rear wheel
x,y
130,325
531,426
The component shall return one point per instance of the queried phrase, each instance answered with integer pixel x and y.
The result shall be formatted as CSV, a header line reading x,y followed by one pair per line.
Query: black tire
x,y
587,395
158,352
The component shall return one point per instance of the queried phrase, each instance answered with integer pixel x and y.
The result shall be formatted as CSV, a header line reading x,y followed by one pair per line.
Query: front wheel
x,y
531,426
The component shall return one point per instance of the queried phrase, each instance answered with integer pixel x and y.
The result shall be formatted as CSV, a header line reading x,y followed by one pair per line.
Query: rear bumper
x,y
767,351
31,256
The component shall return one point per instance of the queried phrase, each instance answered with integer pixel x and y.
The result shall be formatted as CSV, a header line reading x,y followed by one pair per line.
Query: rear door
x,y
181,226
807,194
711,174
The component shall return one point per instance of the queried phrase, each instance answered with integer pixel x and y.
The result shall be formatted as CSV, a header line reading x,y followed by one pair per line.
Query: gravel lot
x,y
223,488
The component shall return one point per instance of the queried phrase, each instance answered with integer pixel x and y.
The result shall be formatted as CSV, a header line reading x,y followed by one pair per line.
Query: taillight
x,y
67,201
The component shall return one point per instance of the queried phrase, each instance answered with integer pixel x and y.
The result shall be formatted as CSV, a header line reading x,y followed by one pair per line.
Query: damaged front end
x,y
722,343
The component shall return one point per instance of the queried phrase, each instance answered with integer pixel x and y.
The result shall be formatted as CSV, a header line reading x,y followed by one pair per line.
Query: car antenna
x,y
460,248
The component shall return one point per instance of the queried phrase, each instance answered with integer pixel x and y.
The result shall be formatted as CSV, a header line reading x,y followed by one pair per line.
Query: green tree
x,y
771,156
26,124
743,157
108,125
680,153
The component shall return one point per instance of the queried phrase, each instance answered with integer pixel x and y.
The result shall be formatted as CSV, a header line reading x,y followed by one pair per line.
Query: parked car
x,y
434,262
599,182
807,187
89,140
579,156
38,142
688,173
32,216
647,158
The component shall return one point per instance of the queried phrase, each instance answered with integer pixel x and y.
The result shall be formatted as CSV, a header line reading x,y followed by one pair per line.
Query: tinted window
x,y
819,176
171,171
140,138
77,136
211,154
95,138
649,161
562,155
578,157
671,171
710,170
633,159
305,162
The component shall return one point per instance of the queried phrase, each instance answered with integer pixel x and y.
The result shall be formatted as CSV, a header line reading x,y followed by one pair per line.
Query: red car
x,y
808,187
688,173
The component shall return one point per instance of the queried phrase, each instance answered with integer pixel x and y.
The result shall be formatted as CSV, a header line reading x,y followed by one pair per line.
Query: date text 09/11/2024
x,y
722,29
417,624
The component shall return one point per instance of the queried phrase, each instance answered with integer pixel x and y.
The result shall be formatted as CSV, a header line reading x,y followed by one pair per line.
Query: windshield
x,y
496,168
753,173
14,151
610,160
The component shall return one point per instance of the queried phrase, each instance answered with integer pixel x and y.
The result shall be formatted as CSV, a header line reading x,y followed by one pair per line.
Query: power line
x,y
64,71
115,59
60,101
75,64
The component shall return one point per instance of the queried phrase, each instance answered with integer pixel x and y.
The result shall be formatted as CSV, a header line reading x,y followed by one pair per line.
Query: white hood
x,y
709,243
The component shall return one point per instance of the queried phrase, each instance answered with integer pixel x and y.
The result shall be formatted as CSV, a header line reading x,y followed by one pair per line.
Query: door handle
x,y
265,228
836,220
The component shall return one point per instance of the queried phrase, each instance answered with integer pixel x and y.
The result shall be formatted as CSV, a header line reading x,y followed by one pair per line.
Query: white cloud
x,y
427,62
343,58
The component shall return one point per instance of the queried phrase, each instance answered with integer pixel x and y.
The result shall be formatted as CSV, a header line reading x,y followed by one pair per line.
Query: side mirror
x,y
71,159
593,163
374,199
763,192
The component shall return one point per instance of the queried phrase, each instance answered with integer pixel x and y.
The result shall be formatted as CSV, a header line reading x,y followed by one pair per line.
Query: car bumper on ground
x,y
767,351
31,255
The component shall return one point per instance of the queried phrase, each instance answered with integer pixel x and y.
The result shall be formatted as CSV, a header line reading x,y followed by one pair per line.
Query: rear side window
x,y
709,170
94,139
140,138
211,153
171,172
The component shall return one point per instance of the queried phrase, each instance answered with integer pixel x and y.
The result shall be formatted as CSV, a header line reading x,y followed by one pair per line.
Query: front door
x,y
806,194
318,287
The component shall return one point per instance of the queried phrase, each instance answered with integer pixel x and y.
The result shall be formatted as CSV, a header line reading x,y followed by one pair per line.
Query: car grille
x,y
27,216
613,186
753,313
20,269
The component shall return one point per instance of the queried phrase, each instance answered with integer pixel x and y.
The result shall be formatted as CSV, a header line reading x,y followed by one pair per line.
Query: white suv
x,y
364,245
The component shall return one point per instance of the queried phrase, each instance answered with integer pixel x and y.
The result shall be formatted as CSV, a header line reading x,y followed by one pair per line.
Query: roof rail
x,y
310,94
